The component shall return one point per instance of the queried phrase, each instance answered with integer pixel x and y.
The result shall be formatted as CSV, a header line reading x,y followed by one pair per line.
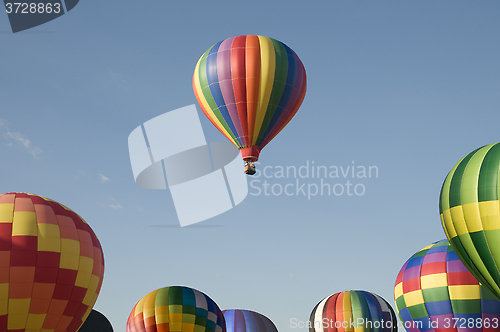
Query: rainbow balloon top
x,y
249,87
353,311
176,308
239,320
435,292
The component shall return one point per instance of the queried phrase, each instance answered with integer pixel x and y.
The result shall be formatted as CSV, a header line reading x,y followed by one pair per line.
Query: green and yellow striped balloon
x,y
470,213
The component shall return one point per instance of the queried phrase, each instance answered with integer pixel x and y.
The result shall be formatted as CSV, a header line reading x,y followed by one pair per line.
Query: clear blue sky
x,y
407,86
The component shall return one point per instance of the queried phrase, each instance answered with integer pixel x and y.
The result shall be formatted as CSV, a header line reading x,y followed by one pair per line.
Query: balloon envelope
x,y
470,213
52,265
238,320
176,308
96,322
249,87
362,310
435,292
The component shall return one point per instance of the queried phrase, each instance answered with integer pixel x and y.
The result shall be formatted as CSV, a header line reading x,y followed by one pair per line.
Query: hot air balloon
x,y
249,87
52,265
354,310
96,322
176,308
238,320
470,214
435,292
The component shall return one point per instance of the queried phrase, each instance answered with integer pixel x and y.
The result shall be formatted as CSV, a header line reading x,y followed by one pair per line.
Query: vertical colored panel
x,y
317,316
360,313
240,324
238,77
206,90
470,177
253,68
374,312
226,85
330,313
279,84
215,89
456,181
267,72
485,254
290,87
488,175
290,111
203,102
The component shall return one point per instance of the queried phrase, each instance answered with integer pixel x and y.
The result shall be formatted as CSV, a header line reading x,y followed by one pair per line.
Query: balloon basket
x,y
249,168
250,154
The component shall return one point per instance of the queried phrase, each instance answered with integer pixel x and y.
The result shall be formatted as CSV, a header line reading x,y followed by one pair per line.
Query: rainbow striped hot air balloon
x,y
350,311
249,87
435,292
51,265
238,320
470,213
176,308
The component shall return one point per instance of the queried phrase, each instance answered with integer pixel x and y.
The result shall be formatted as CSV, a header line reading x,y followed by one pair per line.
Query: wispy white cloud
x,y
15,138
110,202
104,178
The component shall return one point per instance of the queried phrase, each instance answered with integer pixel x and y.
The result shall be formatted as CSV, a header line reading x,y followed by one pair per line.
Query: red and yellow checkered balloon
x,y
51,265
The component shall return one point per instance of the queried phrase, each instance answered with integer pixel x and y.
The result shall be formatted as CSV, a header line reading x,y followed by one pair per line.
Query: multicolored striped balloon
x,y
470,213
354,310
435,292
238,320
249,87
51,265
176,308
